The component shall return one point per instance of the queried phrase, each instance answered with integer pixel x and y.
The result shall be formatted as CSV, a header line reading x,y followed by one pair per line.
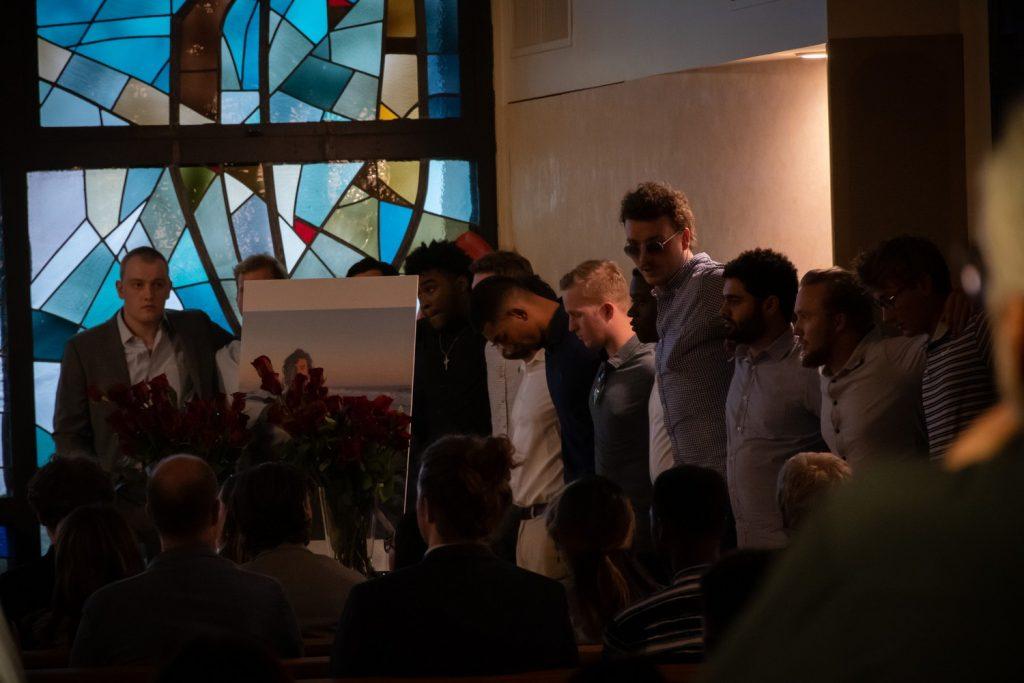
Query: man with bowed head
x,y
188,590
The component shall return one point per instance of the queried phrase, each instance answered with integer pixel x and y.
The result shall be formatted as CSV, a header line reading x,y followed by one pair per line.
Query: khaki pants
x,y
536,551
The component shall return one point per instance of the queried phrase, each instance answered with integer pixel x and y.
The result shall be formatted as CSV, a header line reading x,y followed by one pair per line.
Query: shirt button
x,y
835,402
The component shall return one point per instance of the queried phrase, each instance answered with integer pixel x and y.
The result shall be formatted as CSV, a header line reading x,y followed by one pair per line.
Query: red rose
x,y
94,394
269,380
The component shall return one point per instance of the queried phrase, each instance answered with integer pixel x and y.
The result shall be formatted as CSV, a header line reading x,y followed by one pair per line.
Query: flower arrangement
x,y
352,447
150,425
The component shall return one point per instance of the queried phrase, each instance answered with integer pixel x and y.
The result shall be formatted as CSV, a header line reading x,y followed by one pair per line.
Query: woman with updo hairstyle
x,y
463,611
592,524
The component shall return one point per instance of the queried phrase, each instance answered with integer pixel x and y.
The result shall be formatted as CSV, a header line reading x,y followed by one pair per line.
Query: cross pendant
x,y
446,363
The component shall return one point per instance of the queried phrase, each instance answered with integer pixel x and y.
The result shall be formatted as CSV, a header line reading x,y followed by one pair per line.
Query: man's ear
x,y
838,322
770,304
686,239
607,311
120,289
463,285
518,313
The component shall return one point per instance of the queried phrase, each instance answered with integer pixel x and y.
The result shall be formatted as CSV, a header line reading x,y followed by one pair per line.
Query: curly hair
x,y
651,201
766,273
438,255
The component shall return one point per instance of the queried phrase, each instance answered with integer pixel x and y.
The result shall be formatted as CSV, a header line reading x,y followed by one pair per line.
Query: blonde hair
x,y
599,281
804,479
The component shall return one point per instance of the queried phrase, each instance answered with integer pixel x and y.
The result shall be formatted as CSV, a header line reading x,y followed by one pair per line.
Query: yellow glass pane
x,y
401,19
386,114
401,176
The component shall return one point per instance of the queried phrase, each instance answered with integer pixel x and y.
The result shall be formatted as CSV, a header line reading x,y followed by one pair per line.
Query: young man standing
x,y
692,365
774,404
596,298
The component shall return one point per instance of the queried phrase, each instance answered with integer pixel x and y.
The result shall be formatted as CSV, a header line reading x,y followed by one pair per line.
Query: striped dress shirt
x,y
957,385
692,365
668,625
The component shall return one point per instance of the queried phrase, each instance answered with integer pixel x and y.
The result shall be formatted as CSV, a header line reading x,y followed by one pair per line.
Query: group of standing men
x,y
734,368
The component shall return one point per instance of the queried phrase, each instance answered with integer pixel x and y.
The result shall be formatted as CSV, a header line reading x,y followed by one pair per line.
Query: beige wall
x,y
747,142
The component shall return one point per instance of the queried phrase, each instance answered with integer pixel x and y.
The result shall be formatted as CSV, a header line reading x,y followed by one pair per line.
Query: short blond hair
x,y
804,479
599,281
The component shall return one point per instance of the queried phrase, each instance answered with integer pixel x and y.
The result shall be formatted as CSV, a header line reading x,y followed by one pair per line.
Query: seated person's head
x,y
181,499
408,545
463,488
95,547
256,267
271,506
224,657
728,588
514,314
803,480
504,263
66,483
689,514
591,523
371,267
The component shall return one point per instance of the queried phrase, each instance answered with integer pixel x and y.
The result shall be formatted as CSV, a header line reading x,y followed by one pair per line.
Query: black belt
x,y
532,511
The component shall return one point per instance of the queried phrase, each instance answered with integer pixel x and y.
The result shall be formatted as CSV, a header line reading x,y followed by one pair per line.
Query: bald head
x,y
182,500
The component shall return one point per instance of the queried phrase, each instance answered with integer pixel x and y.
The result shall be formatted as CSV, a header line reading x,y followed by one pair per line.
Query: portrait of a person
x,y
298,362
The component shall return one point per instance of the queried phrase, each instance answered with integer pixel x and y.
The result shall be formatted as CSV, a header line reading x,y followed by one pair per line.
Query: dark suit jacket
x,y
460,611
183,594
95,357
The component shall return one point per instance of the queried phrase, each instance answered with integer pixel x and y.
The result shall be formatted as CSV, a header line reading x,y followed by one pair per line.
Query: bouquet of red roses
x,y
150,425
353,448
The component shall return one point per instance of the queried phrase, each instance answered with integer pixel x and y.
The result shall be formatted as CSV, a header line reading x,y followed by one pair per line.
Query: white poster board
x,y
361,331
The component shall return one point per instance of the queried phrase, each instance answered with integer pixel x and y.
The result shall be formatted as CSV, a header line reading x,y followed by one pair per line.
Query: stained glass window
x,y
205,219
5,549
108,62
4,464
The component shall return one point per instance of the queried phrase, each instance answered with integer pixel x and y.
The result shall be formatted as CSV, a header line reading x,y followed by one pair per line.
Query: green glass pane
x,y
357,225
72,299
162,218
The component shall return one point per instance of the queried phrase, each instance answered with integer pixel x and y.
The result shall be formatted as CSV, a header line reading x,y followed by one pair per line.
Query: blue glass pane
x,y
118,9
442,74
5,546
201,297
451,190
46,375
137,188
162,217
140,57
56,206
126,28
286,184
320,188
67,258
286,109
359,101
241,31
65,11
358,48
64,109
137,238
163,79
442,25
336,256
228,69
322,49
65,36
317,82
236,107
252,228
111,120
394,220
445,107
49,335
310,267
213,226
255,118
93,80
45,447
363,13
331,116
44,90
73,298
280,6
185,267
237,192
310,17
107,302
287,49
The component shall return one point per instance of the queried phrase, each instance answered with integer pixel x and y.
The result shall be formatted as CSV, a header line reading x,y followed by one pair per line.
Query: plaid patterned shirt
x,y
692,365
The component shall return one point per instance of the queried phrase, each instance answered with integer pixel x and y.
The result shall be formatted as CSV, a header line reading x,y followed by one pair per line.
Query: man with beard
x,y
774,402
450,379
871,387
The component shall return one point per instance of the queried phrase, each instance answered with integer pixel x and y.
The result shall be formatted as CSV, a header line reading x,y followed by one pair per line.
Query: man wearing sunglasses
x,y
693,369
596,297
910,281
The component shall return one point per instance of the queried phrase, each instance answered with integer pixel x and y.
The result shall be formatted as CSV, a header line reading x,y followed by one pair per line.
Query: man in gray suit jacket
x,y
140,342
188,591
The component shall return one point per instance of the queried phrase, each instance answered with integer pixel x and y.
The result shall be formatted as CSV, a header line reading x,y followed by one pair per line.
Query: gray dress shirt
x,y
693,368
871,409
618,407
772,413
